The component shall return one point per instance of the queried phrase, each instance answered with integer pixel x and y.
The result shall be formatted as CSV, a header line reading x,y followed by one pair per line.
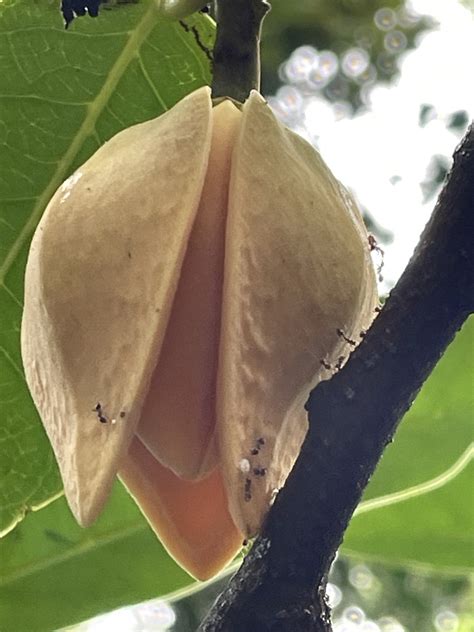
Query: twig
x,y
236,68
281,584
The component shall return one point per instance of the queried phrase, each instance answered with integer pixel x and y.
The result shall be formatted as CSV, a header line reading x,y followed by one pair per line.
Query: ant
x,y
373,245
100,413
247,492
342,335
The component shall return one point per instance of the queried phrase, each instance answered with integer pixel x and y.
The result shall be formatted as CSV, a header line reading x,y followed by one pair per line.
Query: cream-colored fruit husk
x,y
190,277
100,279
297,269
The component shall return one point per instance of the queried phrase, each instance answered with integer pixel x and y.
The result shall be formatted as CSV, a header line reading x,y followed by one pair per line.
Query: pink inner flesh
x,y
178,418
191,518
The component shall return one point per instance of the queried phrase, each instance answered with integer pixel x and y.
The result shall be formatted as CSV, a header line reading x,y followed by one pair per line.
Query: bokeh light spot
x,y
328,63
334,594
361,577
446,621
355,61
385,19
354,615
395,41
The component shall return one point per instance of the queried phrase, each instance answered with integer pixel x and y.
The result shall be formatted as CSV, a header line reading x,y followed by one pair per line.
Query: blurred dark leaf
x,y
458,120
435,174
382,235
427,114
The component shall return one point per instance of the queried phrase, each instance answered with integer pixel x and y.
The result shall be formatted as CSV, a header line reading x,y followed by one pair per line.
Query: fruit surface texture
x,y
185,289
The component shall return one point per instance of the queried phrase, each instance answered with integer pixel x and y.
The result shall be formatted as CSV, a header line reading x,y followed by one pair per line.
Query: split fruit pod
x,y
182,290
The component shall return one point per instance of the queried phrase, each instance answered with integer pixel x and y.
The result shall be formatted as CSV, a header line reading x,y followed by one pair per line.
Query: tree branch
x,y
281,584
236,69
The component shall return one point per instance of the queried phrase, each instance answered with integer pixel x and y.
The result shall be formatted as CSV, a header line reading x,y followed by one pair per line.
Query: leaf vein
x,y
137,36
422,488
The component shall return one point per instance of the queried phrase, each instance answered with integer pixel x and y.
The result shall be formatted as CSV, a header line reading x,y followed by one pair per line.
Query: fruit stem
x,y
236,68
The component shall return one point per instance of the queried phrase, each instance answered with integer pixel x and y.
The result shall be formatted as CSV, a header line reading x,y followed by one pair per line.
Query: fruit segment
x,y
297,270
191,519
178,420
185,289
100,281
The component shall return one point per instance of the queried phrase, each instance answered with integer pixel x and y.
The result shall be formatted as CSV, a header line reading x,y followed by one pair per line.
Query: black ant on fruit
x,y
100,413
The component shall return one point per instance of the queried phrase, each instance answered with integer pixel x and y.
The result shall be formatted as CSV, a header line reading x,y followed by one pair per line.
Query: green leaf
x,y
64,93
54,573
432,529
418,508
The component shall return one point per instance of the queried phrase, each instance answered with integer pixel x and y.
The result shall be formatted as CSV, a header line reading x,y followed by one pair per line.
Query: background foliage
x,y
62,95
339,26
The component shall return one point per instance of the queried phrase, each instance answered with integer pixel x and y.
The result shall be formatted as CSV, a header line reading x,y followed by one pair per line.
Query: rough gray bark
x,y
281,584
